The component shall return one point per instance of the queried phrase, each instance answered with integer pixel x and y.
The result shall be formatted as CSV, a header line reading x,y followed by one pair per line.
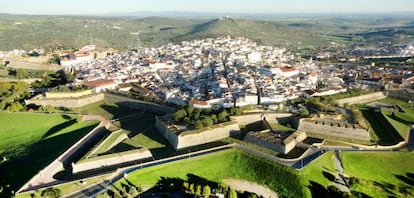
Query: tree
x,y
179,114
304,112
192,191
3,105
198,124
55,59
206,191
231,193
222,116
187,120
222,187
19,73
198,191
207,121
50,193
214,118
238,111
196,114
48,109
186,186
252,195
133,191
15,106
189,110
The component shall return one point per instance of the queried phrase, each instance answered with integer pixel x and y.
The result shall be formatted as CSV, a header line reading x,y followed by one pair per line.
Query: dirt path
x,y
241,185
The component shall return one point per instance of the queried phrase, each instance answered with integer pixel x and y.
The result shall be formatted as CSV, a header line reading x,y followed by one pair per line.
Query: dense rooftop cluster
x,y
219,72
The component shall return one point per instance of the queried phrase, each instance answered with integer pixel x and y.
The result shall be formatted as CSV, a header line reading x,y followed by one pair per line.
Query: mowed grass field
x,y
382,174
223,165
314,172
402,120
107,109
31,141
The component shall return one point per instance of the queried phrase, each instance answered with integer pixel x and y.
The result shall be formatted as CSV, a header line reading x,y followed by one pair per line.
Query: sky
x,y
80,7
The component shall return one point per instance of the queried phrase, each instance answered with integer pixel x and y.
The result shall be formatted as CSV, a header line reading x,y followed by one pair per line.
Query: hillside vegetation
x,y
70,32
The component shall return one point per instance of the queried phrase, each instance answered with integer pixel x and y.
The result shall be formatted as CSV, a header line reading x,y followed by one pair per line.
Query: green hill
x,y
28,32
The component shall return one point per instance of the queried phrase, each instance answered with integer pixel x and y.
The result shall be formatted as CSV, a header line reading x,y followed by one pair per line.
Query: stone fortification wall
x,y
281,118
67,102
68,94
210,135
333,130
405,95
188,138
291,141
166,132
138,104
362,99
105,161
253,138
283,146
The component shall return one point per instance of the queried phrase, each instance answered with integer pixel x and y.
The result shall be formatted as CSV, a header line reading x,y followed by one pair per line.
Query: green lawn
x,y
107,109
223,165
314,170
385,133
280,127
15,137
402,120
35,139
142,134
105,145
383,174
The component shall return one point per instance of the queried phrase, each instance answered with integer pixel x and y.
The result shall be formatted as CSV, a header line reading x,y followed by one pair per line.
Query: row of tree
x,y
12,95
198,118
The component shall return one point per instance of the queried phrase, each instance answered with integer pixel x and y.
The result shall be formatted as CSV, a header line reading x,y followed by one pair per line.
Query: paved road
x,y
339,178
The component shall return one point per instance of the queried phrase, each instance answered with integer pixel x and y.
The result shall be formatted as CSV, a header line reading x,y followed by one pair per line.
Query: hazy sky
x,y
230,6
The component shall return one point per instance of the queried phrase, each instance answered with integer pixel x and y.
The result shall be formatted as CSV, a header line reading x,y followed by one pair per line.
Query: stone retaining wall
x,y
327,129
188,139
66,102
104,161
362,99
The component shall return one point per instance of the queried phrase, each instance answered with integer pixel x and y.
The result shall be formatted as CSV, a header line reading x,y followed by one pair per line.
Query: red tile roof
x,y
99,83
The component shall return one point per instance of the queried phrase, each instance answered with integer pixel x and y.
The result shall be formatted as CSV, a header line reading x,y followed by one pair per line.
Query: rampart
x,y
362,99
196,137
280,118
405,95
333,128
138,104
272,141
111,160
75,94
69,102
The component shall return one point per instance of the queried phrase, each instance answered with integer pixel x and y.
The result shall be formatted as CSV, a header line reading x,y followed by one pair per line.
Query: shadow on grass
x,y
328,176
383,129
408,179
173,186
118,111
121,147
16,172
317,190
386,187
59,127
399,119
